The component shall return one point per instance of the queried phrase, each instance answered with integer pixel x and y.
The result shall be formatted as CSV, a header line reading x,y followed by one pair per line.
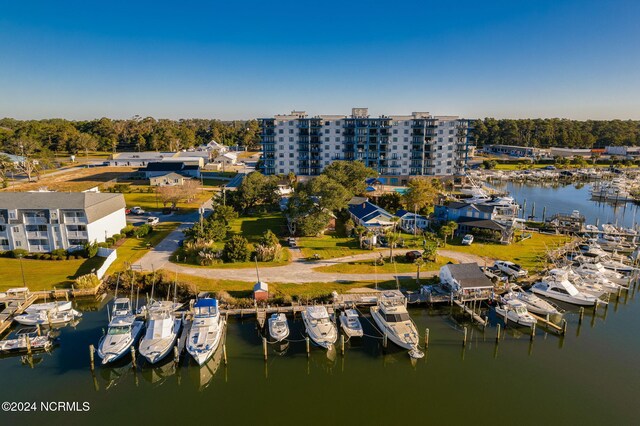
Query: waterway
x,y
564,198
589,376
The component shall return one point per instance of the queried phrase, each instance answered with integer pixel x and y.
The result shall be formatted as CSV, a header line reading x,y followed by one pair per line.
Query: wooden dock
x,y
15,305
550,324
472,314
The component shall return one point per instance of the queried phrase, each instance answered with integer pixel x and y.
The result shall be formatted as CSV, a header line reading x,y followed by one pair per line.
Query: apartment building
x,y
45,221
397,146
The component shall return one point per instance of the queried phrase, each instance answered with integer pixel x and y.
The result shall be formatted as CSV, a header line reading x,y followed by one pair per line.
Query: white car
x,y
467,240
153,221
137,210
511,269
292,242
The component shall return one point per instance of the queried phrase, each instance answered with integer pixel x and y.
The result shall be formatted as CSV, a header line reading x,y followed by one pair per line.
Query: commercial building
x,y
45,221
397,146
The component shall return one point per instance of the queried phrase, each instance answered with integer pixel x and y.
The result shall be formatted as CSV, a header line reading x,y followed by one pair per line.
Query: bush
x,y
37,256
117,237
128,230
59,253
103,245
87,281
91,249
15,253
110,241
46,256
236,249
142,231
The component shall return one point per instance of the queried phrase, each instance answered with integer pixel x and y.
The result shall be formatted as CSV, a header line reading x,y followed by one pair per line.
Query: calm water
x,y
566,198
589,377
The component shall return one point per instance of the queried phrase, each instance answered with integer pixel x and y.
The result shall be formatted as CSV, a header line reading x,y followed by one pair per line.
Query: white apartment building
x,y
45,221
397,146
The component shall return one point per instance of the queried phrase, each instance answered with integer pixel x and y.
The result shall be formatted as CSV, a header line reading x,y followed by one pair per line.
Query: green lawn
x,y
528,253
213,182
329,246
133,249
367,267
44,274
148,200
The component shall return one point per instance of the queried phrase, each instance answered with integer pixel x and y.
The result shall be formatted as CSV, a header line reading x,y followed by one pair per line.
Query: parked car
x,y
511,269
153,221
127,211
292,242
137,210
467,240
413,255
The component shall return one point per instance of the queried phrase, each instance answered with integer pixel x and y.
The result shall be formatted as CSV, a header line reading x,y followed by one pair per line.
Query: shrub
x,y
236,249
142,231
38,256
117,237
103,245
91,249
59,253
110,241
46,256
127,230
15,253
87,281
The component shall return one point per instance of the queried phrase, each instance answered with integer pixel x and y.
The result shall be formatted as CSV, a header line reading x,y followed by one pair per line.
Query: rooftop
x,y
96,205
469,275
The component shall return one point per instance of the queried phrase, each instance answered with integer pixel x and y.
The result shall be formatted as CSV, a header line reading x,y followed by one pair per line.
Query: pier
x,y
15,304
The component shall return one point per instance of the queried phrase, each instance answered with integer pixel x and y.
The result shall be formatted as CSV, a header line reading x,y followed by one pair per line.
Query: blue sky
x,y
209,59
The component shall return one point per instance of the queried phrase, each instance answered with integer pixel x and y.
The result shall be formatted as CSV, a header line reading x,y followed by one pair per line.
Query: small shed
x,y
466,281
260,291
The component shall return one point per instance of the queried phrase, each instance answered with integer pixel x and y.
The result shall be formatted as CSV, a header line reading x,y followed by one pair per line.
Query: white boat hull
x,y
200,349
567,298
391,335
326,340
110,353
154,350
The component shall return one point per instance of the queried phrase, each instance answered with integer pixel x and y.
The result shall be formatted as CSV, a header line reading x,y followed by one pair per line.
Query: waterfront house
x,y
410,221
371,216
45,221
466,281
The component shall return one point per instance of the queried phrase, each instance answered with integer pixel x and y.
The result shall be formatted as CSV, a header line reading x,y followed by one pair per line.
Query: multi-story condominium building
x,y
45,221
397,146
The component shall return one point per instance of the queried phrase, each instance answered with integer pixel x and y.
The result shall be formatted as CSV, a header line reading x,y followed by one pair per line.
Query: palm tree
x,y
360,231
453,226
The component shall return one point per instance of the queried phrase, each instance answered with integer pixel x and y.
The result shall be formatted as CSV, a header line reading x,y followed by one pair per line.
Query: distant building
x,y
213,146
409,221
260,291
166,167
397,146
169,179
514,151
142,159
45,221
570,152
226,159
15,159
623,151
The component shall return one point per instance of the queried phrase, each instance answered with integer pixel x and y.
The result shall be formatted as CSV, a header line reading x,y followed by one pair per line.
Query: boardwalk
x,y
14,305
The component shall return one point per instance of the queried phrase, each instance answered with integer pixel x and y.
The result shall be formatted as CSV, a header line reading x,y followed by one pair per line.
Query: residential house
x,y
213,146
466,281
142,159
45,221
410,220
169,179
164,167
371,216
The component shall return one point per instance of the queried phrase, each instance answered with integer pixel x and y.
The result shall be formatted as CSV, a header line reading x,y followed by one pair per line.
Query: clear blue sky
x,y
240,59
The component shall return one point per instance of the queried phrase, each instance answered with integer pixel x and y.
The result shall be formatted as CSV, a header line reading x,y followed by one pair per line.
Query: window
x,y
281,155
291,162
290,131
327,123
16,229
326,131
406,131
395,131
18,243
291,155
290,139
280,131
281,147
12,215
280,139
337,139
337,131
395,139
326,147
291,147
326,140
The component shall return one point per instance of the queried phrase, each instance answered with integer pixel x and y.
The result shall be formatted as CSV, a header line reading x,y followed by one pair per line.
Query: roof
x,y
164,166
368,211
203,303
148,155
261,286
402,213
469,275
457,205
358,200
13,158
481,223
96,205
170,175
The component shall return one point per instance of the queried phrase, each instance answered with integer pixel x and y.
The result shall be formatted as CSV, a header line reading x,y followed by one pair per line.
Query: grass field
x,y
74,180
133,249
528,253
242,289
44,274
367,267
148,200
329,246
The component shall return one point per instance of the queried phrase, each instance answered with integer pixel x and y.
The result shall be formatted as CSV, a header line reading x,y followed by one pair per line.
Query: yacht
x,y
516,311
350,323
162,331
532,302
392,318
278,327
206,330
48,317
18,341
49,306
597,270
607,262
319,326
557,286
123,332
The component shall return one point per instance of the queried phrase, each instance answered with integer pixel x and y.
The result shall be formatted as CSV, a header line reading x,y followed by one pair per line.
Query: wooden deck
x,y
14,306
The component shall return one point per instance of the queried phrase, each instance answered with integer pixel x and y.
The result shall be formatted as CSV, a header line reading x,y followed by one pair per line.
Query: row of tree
x,y
43,137
548,132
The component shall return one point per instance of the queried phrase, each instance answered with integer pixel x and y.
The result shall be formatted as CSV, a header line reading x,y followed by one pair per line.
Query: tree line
x,y
44,137
556,132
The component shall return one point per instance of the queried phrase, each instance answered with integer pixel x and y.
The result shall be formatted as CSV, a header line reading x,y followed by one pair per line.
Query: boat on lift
x,y
59,306
48,317
162,331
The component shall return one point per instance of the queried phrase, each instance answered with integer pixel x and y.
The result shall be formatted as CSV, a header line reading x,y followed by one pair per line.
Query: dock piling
x,y
464,339
308,348
133,357
497,332
176,354
224,353
581,314
384,340
92,357
38,329
342,344
264,347
533,332
426,338
28,342
564,326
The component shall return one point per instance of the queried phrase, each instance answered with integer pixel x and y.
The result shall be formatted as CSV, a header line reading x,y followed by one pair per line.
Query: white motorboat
x,y
557,286
123,332
278,327
532,302
18,342
162,331
320,328
49,306
606,261
516,311
48,317
350,323
206,330
391,316
597,270
593,282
